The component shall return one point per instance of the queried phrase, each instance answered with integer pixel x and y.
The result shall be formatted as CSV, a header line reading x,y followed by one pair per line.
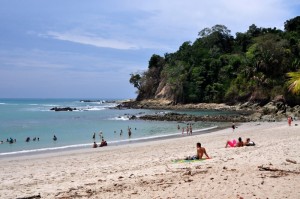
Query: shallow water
x,y
22,118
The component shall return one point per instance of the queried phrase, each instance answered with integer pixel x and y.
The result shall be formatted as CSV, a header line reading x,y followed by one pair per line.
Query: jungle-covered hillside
x,y
218,67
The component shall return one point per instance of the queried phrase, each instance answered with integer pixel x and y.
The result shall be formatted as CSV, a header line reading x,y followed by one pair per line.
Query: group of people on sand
x,y
239,143
102,144
202,151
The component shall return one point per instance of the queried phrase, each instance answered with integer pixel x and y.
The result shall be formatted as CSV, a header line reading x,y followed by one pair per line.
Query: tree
x,y
292,24
135,79
294,82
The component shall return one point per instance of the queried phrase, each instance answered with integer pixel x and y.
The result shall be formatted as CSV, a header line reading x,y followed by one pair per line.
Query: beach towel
x,y
184,160
232,143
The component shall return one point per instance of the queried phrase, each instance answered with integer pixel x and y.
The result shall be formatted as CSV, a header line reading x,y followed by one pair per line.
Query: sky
x,y
88,49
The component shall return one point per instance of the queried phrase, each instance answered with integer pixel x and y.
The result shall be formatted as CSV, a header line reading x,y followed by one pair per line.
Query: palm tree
x,y
294,82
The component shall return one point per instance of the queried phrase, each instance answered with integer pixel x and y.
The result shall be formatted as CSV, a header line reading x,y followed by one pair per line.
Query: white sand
x,y
145,170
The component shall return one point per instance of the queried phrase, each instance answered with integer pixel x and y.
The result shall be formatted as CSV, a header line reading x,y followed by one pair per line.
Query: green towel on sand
x,y
182,160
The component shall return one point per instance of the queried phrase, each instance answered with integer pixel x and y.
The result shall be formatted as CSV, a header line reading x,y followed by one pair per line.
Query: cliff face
x,y
164,91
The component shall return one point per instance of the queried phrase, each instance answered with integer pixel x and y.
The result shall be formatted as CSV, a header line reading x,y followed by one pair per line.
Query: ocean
x,y
23,118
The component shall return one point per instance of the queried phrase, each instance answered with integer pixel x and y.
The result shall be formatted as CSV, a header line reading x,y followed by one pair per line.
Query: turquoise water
x,y
22,118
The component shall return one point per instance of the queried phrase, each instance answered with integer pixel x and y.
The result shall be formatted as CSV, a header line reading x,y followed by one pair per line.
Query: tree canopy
x,y
218,67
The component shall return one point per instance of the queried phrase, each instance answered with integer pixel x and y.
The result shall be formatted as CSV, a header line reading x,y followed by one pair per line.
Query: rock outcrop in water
x,y
276,110
63,109
195,118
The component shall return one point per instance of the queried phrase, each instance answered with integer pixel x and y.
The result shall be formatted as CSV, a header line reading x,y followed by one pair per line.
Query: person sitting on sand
x,y
200,152
233,143
95,145
103,143
249,143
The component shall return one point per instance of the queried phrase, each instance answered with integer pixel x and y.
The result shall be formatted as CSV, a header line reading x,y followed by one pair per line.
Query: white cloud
x,y
92,40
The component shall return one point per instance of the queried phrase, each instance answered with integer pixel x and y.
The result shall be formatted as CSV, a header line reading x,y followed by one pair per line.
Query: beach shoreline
x,y
146,170
62,149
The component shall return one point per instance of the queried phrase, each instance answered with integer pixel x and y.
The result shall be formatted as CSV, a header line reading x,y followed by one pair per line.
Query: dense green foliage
x,y
218,67
294,82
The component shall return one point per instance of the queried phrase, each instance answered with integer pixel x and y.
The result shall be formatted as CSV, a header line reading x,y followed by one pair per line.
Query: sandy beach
x,y
271,169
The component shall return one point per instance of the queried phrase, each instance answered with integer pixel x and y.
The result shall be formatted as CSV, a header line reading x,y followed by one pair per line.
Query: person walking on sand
x,y
191,129
233,126
290,120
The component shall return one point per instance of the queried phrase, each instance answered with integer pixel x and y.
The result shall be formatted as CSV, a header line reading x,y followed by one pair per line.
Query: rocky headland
x,y
245,112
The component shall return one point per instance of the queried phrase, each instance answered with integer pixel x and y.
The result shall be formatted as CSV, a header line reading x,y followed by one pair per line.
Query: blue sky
x,y
87,49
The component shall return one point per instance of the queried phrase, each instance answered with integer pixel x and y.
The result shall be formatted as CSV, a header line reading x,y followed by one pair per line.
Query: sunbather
x,y
249,143
233,143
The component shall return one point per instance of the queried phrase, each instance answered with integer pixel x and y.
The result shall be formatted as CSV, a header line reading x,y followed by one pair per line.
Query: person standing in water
x,y
187,129
191,129
129,132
